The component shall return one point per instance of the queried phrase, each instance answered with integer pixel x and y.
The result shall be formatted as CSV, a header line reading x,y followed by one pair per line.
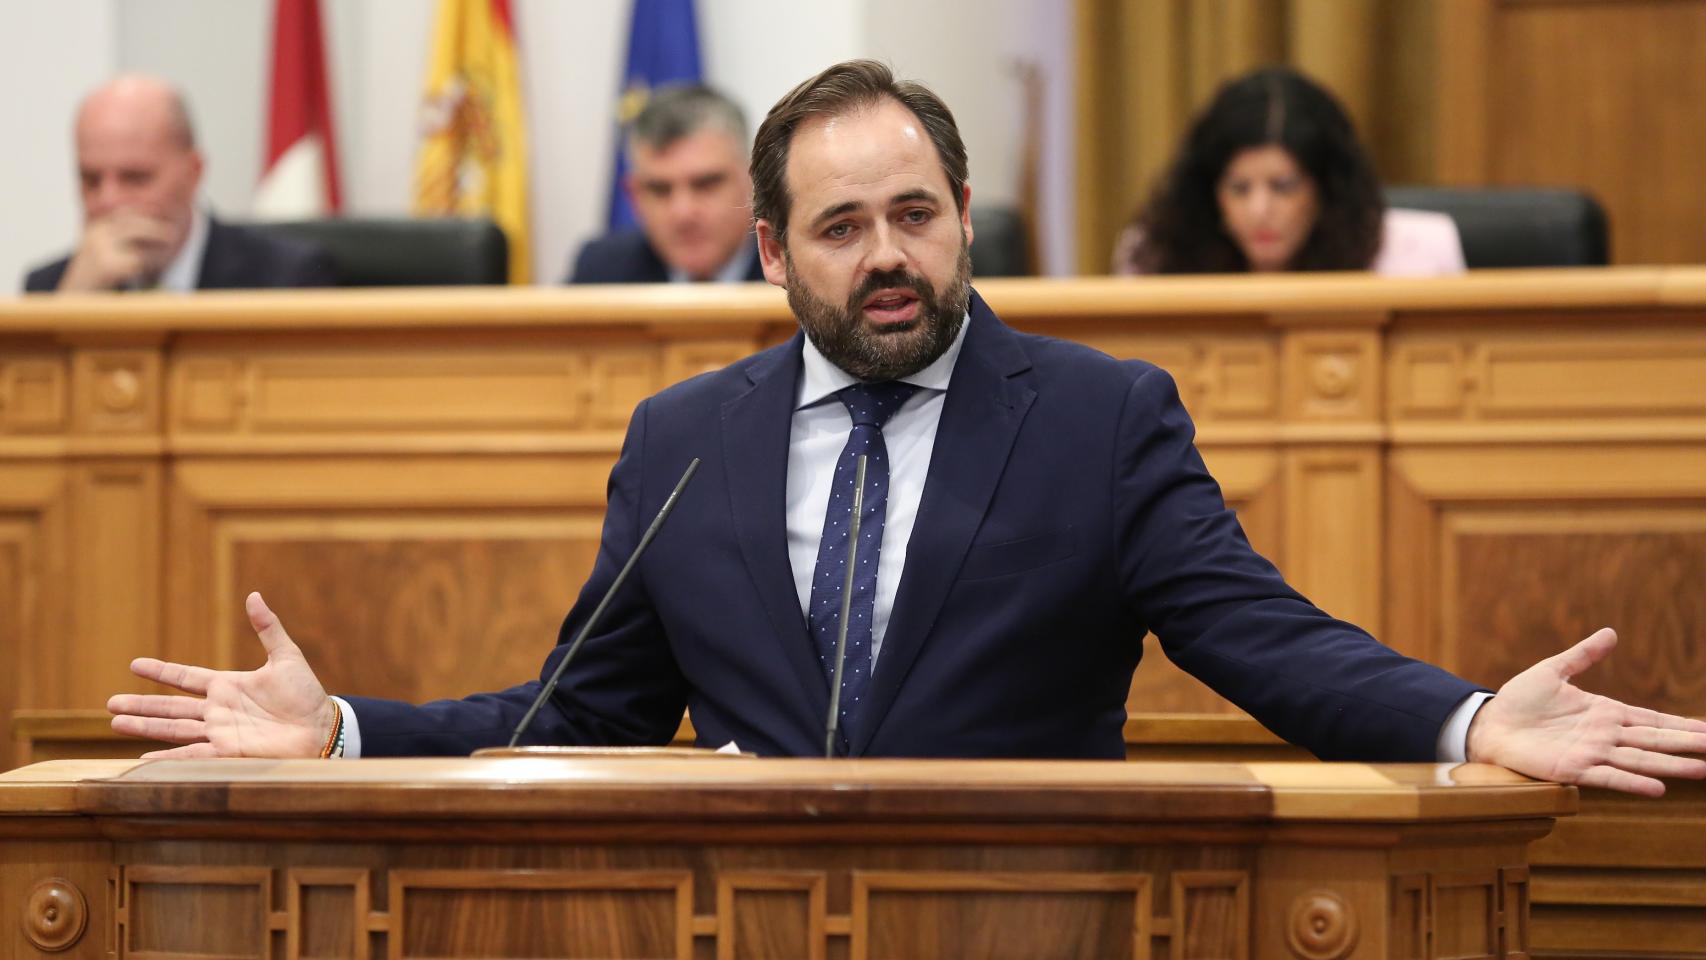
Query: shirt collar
x,y
732,272
822,379
184,272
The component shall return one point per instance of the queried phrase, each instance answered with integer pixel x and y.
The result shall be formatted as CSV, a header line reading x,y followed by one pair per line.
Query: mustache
x,y
891,280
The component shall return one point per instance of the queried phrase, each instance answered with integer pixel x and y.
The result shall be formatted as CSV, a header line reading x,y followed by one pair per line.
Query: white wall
x,y
47,59
218,52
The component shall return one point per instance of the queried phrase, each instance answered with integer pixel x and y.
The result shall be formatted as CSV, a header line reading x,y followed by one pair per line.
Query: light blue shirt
x,y
732,272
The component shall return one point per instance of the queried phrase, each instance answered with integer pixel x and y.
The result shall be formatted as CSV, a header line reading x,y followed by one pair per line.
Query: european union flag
x,y
663,47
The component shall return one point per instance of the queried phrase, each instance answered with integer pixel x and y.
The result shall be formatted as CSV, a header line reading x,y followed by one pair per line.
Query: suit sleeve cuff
x,y
1453,744
352,730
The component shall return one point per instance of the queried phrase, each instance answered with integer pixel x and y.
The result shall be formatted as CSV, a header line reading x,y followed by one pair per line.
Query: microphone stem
x,y
591,621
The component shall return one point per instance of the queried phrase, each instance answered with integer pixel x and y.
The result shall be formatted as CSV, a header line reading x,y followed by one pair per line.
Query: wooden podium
x,y
701,858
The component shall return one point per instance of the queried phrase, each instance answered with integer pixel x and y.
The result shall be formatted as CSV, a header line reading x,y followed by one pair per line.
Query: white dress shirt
x,y
819,432
816,437
183,274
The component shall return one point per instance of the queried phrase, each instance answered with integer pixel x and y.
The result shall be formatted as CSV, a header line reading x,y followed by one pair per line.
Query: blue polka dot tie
x,y
870,405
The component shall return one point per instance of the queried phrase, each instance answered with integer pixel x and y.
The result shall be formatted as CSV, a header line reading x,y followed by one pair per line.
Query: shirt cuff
x,y
1453,744
352,730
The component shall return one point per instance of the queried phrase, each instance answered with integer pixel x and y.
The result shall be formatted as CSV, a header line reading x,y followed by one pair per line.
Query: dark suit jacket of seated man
x,y
235,258
628,257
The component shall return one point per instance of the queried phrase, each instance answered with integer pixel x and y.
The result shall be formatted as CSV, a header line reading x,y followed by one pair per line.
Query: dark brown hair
x,y
841,89
1181,226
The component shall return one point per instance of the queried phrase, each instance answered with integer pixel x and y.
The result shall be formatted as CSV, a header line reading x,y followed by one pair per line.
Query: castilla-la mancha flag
x,y
473,154
300,179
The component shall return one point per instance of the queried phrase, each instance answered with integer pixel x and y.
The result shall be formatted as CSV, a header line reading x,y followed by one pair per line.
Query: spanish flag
x,y
473,155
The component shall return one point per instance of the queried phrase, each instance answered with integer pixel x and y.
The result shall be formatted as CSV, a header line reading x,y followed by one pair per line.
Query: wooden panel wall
x,y
1480,470
1598,93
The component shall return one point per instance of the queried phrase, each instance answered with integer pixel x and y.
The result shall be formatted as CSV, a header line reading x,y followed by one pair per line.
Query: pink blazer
x,y
1418,243
1413,243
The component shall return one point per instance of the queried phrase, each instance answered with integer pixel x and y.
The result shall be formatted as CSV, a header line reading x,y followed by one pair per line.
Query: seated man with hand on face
x,y
1030,509
688,183
138,170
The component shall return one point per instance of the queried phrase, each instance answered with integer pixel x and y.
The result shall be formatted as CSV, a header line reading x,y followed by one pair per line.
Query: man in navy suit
x,y
1030,509
688,183
138,171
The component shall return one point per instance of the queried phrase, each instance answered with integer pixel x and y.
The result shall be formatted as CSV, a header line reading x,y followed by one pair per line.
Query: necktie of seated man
x,y
870,405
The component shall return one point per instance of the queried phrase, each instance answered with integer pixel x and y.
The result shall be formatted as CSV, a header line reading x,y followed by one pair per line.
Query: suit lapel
x,y
981,415
755,429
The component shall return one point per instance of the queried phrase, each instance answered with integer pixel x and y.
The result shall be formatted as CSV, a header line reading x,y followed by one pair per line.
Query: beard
x,y
891,351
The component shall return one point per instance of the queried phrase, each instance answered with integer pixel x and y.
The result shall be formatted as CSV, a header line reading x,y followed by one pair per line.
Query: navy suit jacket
x,y
236,258
628,257
1066,511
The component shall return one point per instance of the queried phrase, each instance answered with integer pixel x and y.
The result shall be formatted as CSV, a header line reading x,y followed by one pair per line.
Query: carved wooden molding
x,y
116,391
1333,375
55,915
333,911
1321,925
33,395
1645,372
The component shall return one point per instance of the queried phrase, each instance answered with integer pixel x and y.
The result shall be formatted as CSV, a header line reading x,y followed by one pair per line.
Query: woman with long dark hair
x,y
1272,178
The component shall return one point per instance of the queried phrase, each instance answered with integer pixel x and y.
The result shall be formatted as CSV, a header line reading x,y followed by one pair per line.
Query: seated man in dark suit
x,y
138,169
1030,509
688,182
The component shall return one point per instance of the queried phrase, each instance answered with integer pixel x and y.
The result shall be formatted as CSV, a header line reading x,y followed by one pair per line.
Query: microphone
x,y
832,726
591,621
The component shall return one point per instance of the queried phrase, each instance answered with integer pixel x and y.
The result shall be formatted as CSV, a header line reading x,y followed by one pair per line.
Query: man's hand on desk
x,y
280,710
1541,725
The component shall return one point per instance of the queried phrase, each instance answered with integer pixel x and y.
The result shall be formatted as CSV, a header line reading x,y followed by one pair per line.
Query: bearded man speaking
x,y
1030,509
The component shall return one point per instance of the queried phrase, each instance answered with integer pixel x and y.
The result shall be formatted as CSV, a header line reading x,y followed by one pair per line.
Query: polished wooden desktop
x,y
562,856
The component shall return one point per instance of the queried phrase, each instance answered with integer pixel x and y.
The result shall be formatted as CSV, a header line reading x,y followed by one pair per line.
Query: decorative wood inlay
x,y
1411,912
1333,525
1536,580
475,388
32,395
1646,372
944,913
1233,377
1321,926
1333,375
499,913
18,590
209,394
1211,915
1430,378
1514,911
116,391
769,931
469,603
115,519
686,358
327,912
55,915
1464,913
196,909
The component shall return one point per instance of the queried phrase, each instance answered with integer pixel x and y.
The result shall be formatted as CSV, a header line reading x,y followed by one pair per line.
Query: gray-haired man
x,y
689,185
